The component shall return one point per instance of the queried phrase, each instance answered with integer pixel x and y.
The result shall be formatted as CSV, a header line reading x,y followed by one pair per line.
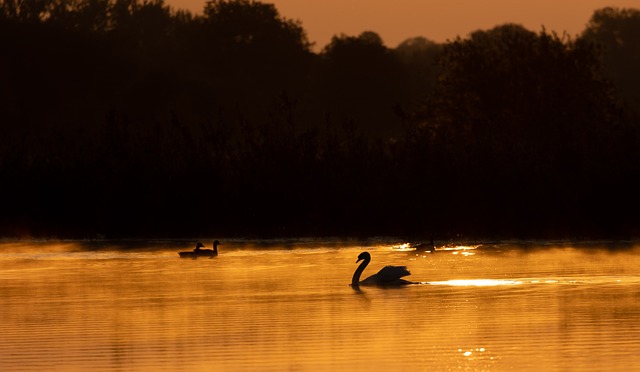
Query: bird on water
x,y
197,252
387,276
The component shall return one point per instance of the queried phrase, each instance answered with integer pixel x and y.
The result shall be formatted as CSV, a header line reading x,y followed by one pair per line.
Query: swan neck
x,y
356,275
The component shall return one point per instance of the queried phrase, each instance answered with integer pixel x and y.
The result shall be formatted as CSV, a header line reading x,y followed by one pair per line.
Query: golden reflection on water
x,y
477,282
67,306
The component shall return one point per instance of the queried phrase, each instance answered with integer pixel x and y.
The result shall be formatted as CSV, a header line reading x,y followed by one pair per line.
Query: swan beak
x,y
359,259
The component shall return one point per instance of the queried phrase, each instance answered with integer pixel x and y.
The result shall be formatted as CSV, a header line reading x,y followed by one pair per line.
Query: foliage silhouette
x,y
618,32
127,118
530,118
361,81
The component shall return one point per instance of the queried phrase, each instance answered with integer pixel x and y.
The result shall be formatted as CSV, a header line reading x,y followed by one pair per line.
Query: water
x,y
283,305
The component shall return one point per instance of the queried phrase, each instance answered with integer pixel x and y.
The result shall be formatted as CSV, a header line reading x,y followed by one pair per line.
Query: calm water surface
x,y
282,305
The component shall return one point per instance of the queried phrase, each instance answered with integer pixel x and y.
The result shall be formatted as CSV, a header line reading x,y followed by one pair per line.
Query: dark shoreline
x,y
133,126
360,237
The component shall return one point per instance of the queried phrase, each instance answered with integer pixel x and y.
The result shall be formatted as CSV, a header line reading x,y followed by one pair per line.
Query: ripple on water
x,y
288,308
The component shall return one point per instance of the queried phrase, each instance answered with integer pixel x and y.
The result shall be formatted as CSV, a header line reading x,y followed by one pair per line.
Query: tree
x,y
240,23
420,58
361,80
528,118
618,32
251,54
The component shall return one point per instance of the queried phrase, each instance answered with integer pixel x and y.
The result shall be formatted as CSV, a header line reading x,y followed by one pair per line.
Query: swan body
x,y
197,252
387,276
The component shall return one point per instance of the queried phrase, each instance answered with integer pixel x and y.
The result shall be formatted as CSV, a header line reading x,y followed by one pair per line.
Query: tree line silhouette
x,y
128,118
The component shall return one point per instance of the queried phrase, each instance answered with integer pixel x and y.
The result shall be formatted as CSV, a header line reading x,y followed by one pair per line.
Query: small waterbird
x,y
197,252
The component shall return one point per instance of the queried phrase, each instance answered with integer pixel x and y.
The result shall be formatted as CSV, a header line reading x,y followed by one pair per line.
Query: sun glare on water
x,y
476,282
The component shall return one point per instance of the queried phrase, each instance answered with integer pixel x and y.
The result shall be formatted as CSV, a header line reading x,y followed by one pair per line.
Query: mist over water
x,y
282,305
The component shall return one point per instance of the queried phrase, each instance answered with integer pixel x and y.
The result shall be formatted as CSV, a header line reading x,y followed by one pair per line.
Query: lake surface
x,y
288,305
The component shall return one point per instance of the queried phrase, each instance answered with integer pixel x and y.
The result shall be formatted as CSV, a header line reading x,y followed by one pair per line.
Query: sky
x,y
437,20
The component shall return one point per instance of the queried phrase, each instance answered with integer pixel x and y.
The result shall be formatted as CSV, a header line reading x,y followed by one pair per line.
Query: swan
x,y
201,252
387,276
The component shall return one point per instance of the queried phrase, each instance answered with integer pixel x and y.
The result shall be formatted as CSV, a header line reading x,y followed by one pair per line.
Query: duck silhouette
x,y
197,252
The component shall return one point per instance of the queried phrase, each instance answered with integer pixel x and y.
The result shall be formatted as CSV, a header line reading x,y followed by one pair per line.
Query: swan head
x,y
199,245
364,256
217,243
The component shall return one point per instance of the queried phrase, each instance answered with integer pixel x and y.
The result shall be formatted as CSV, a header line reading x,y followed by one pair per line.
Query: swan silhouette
x,y
387,276
197,252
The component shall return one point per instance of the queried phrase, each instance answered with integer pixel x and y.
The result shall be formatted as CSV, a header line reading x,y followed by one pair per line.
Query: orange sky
x,y
438,20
